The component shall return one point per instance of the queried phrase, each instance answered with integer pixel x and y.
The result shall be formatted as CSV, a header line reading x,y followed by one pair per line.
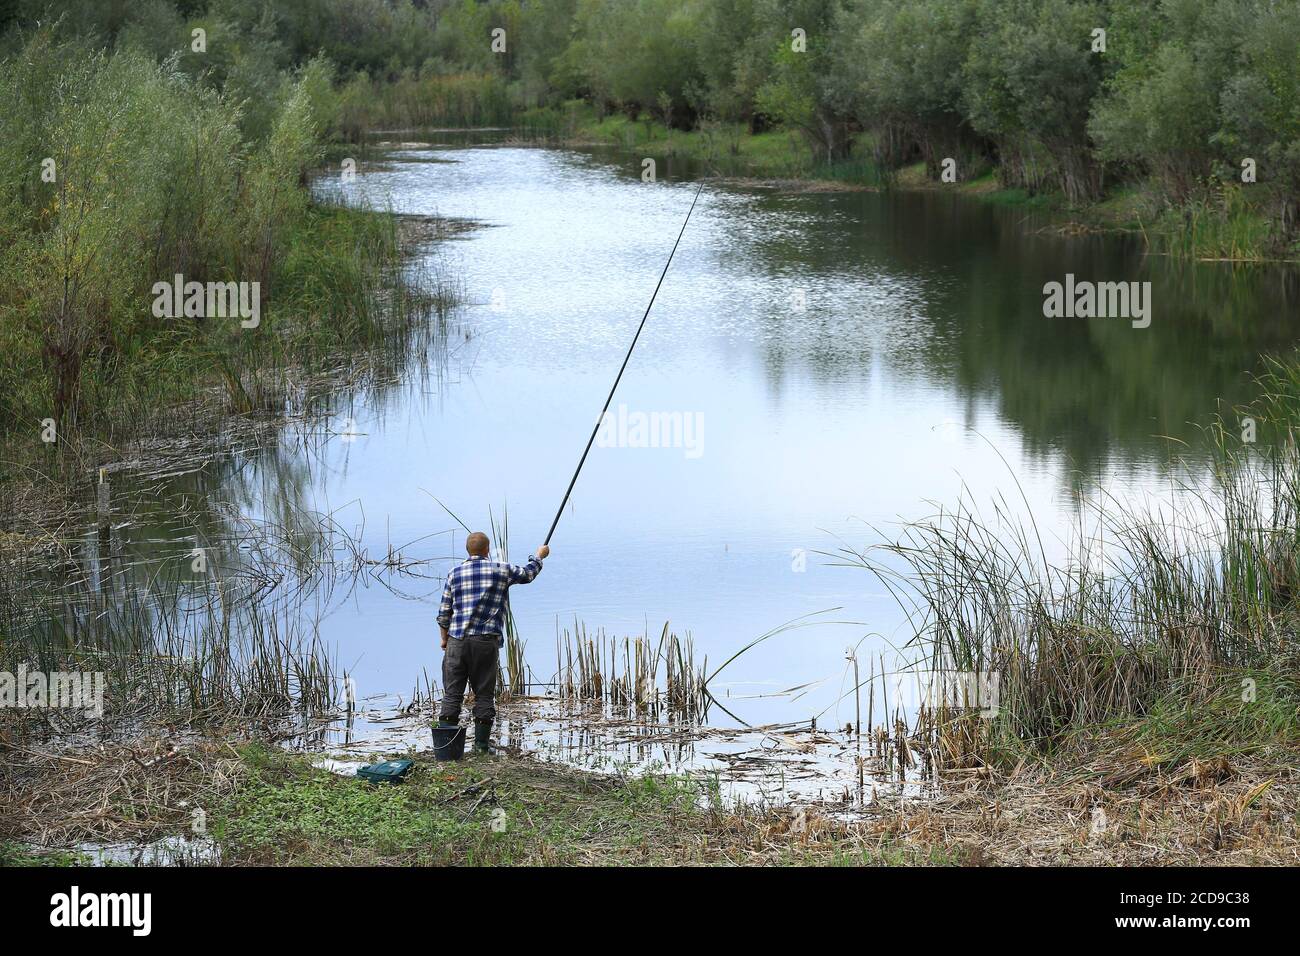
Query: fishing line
x,y
601,417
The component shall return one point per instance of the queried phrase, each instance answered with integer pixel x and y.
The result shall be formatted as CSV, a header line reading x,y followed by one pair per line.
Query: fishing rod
x,y
618,378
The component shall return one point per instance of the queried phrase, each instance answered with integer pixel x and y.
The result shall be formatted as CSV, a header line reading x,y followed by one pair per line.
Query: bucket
x,y
448,742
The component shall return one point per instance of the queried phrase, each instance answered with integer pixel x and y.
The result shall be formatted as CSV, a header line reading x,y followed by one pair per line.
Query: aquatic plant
x,y
626,672
1197,598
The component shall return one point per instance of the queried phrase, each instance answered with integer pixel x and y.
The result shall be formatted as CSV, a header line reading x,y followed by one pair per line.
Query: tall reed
x,y
625,673
223,631
1152,602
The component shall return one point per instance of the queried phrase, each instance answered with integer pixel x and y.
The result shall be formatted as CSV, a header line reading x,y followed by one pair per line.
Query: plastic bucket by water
x,y
448,742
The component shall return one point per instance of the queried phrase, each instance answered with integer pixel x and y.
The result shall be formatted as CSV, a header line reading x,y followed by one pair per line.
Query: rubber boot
x,y
482,733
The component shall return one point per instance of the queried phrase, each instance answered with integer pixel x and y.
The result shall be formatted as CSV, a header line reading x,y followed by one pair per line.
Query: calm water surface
x,y
852,361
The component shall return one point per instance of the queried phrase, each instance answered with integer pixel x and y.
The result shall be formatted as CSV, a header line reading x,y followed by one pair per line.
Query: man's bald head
x,y
477,544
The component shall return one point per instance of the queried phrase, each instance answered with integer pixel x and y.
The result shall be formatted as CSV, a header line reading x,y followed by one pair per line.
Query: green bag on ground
x,y
390,771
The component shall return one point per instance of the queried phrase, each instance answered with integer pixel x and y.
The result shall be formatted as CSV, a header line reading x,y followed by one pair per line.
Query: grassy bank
x,y
726,149
122,174
265,807
1225,227
1174,624
1107,805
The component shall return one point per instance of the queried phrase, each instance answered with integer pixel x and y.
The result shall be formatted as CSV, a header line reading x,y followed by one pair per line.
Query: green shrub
x,y
117,172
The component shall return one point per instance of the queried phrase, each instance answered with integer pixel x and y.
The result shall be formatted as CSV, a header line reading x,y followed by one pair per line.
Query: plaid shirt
x,y
475,598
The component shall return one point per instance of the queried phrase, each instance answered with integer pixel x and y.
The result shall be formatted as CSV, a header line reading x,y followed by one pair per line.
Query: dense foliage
x,y
1181,91
179,131
117,172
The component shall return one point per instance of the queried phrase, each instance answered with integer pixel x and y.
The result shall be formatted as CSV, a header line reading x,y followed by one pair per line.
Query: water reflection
x,y
853,356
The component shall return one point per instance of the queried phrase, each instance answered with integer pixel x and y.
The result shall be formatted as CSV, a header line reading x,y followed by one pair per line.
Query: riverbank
x,y
1231,228
172,255
204,801
266,807
1083,674
1191,783
353,307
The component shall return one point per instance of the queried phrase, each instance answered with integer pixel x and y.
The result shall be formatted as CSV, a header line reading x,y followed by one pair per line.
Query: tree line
x,y
143,138
1064,95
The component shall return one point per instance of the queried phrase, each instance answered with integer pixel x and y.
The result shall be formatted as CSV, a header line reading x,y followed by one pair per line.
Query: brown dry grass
x,y
137,791
1218,812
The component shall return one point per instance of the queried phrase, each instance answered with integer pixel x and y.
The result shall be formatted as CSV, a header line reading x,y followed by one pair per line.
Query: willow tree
x,y
1029,82
632,51
905,62
802,90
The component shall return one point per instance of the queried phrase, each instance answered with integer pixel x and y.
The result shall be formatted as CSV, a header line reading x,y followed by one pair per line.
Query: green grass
x,y
1125,207
727,149
288,807
1229,226
287,813
290,813
1020,198
16,854
1253,709
270,807
1184,604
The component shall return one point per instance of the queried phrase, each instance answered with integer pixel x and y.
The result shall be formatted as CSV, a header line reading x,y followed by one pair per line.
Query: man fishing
x,y
474,602
472,618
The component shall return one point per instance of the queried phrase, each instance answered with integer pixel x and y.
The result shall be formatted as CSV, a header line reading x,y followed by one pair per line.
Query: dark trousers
x,y
469,660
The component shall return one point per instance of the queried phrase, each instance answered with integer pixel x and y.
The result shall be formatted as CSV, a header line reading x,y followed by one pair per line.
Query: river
x,y
838,363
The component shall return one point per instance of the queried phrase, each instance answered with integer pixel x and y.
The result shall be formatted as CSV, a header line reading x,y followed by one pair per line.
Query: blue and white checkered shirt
x,y
475,598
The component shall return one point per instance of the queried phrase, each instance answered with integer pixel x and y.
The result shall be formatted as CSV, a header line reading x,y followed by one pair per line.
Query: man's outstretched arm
x,y
522,574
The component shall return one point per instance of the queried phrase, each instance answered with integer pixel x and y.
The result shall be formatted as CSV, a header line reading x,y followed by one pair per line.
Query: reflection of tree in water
x,y
1097,392
1100,391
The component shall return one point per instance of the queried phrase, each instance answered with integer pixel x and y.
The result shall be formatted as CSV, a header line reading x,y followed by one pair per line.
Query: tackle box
x,y
390,771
